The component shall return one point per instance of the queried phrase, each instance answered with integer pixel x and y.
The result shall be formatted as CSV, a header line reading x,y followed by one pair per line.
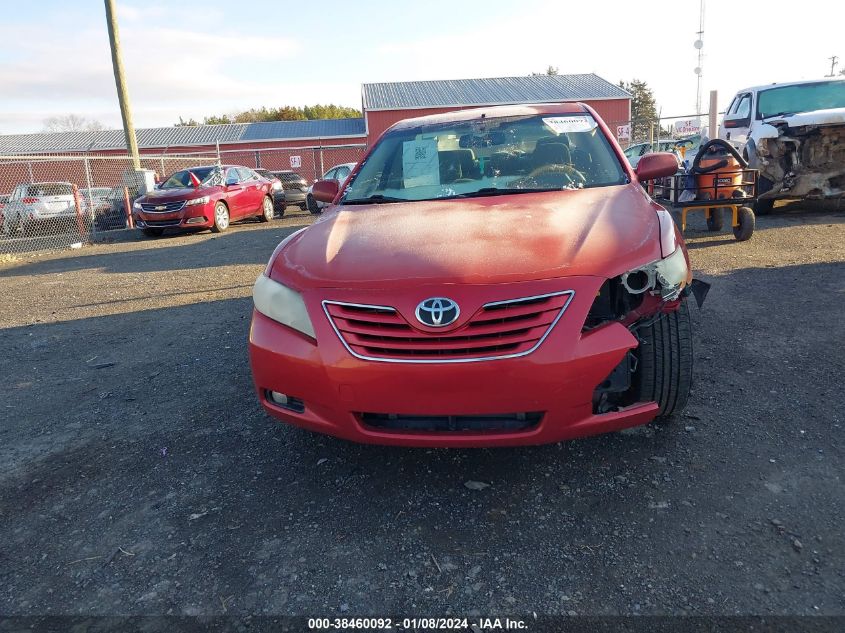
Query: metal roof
x,y
496,91
162,137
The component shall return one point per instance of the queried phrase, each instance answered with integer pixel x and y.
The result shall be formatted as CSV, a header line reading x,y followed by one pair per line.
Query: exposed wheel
x,y
152,232
221,218
746,224
764,207
267,210
28,229
716,220
312,205
664,362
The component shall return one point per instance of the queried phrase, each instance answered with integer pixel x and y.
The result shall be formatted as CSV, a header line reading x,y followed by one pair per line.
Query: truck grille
x,y
502,422
502,329
162,207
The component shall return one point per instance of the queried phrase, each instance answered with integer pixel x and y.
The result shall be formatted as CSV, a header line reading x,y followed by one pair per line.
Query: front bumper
x,y
296,196
190,217
339,390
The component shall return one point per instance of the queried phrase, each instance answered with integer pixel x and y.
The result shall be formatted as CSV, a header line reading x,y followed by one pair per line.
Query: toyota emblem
x,y
437,312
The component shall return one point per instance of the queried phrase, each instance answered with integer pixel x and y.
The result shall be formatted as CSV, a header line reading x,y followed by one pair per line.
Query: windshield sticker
x,y
420,163
570,124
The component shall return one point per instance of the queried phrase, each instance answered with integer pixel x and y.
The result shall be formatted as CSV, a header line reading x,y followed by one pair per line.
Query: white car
x,y
635,152
339,173
792,132
38,204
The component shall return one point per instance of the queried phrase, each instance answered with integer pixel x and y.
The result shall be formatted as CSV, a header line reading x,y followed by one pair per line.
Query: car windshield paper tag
x,y
569,124
420,163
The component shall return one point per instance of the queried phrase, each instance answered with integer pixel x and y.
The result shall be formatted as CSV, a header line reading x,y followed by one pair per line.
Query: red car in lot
x,y
495,276
208,197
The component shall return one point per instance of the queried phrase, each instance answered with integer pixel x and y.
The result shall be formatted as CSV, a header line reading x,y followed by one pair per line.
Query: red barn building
x,y
386,103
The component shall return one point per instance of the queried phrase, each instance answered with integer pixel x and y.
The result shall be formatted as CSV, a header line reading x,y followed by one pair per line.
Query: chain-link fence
x,y
58,201
310,162
663,128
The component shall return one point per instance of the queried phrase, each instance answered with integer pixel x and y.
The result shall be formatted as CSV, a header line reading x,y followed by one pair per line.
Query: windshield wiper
x,y
497,191
375,199
770,116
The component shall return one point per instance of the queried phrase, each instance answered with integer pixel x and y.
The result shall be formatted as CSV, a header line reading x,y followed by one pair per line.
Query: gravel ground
x,y
138,474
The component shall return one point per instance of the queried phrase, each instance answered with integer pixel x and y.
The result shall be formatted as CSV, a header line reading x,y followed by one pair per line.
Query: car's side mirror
x,y
733,121
325,190
656,165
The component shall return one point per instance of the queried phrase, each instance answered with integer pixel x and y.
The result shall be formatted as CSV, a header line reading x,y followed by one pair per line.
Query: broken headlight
x,y
665,277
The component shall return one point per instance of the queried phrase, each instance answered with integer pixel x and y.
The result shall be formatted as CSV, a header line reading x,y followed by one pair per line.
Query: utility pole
x,y
833,61
699,44
120,82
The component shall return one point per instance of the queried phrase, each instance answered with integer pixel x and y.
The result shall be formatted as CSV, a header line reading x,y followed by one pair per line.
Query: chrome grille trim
x,y
169,207
430,361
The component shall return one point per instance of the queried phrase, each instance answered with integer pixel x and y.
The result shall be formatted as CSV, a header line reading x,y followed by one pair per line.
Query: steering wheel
x,y
557,173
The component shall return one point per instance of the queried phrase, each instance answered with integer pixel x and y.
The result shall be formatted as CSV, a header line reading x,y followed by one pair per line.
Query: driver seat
x,y
550,154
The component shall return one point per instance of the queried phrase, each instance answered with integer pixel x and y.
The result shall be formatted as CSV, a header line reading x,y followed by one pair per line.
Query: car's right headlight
x,y
280,303
136,205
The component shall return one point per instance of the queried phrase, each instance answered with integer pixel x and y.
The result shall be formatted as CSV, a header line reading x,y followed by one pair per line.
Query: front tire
x,y
665,359
312,205
221,218
267,210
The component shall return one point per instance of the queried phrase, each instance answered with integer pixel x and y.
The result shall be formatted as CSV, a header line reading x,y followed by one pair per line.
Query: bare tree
x,y
71,123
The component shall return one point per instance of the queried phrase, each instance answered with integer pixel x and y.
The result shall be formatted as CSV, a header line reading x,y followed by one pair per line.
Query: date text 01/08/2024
x,y
417,624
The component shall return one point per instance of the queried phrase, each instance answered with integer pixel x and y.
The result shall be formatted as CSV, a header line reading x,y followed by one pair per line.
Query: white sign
x,y
570,124
688,126
295,162
623,132
420,163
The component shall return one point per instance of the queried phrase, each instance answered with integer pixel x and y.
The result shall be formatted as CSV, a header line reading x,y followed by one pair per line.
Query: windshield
x,y
182,179
40,190
464,159
801,98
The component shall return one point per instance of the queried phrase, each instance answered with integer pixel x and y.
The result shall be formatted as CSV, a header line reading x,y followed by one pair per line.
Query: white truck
x,y
794,133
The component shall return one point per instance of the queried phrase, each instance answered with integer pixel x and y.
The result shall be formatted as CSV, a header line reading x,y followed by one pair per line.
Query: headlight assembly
x,y
136,205
193,201
665,277
280,303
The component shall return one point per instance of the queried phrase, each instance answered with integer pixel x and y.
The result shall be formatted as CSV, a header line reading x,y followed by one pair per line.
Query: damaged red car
x,y
494,276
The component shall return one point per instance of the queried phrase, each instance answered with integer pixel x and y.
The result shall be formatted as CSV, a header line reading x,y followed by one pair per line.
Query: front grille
x,y
162,207
162,223
502,329
507,422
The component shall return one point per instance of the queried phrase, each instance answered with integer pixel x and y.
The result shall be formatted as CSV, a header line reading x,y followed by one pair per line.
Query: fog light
x,y
278,398
285,401
199,220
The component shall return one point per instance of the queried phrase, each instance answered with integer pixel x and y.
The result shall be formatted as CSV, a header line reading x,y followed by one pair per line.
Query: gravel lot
x,y
138,474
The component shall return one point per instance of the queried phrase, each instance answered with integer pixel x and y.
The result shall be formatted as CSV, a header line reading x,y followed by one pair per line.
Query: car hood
x,y
603,231
171,195
830,116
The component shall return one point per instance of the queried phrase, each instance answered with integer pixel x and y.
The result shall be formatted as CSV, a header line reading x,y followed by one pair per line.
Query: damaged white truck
x,y
794,133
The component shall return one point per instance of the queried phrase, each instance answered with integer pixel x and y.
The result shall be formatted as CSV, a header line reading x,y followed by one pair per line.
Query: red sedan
x,y
495,276
208,197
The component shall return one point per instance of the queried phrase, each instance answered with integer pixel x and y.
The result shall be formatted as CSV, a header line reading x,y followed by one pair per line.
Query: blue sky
x,y
198,58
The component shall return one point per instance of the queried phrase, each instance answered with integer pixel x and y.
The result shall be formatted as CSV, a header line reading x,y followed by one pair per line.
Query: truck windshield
x,y
801,98
486,156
